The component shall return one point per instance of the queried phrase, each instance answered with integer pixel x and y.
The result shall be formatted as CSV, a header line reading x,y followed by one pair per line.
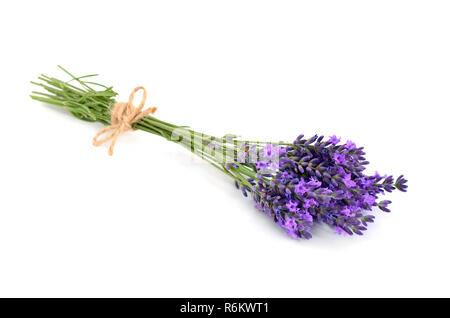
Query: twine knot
x,y
123,116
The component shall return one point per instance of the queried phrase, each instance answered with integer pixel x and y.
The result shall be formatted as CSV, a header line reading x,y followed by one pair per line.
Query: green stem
x,y
88,104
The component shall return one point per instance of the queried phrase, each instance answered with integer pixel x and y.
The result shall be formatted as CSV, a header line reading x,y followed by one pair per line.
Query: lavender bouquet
x,y
298,184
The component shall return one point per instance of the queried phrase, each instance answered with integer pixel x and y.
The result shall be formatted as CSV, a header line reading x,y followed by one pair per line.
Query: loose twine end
x,y
123,115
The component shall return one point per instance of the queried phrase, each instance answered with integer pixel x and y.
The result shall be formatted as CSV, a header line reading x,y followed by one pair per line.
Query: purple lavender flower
x,y
309,203
401,184
349,183
290,225
315,181
346,211
368,199
300,188
383,205
260,165
334,140
350,145
291,205
339,158
307,217
339,230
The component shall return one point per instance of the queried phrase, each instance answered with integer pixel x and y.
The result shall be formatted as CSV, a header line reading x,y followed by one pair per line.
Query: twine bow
x,y
123,115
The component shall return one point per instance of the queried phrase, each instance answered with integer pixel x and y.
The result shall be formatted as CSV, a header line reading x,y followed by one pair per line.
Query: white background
x,y
150,221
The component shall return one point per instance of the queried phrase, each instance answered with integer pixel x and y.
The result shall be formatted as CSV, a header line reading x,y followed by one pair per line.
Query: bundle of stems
x,y
88,104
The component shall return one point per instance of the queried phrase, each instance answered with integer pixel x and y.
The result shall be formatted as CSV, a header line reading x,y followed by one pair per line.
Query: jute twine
x,y
123,115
